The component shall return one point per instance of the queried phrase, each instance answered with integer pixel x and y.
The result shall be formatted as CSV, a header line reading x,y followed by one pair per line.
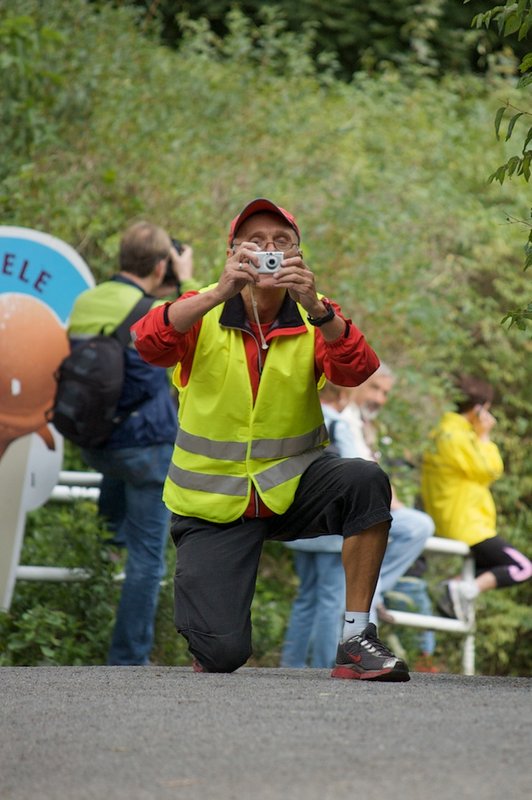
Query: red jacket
x,y
346,361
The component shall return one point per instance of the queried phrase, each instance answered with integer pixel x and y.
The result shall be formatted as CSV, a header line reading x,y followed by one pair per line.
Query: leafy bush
x,y
61,623
432,35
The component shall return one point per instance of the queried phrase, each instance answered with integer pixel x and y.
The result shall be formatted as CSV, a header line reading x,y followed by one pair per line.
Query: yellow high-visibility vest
x,y
226,443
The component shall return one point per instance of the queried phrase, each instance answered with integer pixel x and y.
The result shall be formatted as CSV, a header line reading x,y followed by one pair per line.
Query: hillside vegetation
x,y
386,175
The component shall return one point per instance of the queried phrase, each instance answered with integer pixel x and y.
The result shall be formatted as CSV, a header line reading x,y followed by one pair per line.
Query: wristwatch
x,y
319,321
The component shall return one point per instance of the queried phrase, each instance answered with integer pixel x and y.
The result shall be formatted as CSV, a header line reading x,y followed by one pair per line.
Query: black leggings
x,y
498,556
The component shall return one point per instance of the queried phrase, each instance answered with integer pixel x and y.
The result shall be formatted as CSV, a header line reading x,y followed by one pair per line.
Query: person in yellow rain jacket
x,y
458,468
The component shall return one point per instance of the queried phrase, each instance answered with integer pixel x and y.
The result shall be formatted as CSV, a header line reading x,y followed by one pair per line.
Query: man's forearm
x,y
334,329
182,314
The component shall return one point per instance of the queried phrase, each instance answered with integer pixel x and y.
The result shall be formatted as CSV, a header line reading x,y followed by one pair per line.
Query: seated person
x,y
410,527
458,468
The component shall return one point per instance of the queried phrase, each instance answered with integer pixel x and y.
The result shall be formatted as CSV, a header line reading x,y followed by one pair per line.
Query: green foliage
x,y
386,177
519,316
31,85
514,18
429,36
504,623
63,623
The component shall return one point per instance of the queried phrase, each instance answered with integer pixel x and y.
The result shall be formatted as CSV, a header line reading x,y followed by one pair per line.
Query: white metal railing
x,y
74,486
57,574
77,486
442,546
71,486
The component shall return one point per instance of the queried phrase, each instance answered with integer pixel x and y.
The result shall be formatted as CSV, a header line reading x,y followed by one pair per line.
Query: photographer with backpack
x,y
134,452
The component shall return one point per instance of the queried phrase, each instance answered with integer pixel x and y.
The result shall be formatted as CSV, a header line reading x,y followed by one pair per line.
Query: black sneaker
x,y
365,658
444,603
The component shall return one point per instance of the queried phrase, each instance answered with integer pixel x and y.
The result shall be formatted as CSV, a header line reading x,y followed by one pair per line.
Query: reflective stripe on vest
x,y
226,451
217,484
286,470
260,448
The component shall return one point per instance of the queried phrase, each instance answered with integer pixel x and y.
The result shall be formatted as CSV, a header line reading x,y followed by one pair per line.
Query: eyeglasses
x,y
282,243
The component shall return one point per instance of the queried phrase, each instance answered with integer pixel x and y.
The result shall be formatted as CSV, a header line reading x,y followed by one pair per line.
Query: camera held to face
x,y
269,261
170,275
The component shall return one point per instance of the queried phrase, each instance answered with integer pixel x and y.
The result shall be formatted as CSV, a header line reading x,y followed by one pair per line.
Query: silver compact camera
x,y
269,261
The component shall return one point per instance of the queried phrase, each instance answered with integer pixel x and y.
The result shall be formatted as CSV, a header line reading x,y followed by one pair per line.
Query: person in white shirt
x,y
410,527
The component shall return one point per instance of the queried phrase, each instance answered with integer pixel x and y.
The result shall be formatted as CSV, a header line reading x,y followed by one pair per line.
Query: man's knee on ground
x,y
222,653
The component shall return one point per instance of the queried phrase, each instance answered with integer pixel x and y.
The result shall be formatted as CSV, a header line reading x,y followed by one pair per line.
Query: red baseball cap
x,y
261,204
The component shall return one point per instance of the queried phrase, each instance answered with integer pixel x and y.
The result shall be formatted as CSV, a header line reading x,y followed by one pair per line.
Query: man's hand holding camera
x,y
264,262
276,269
298,280
180,262
247,264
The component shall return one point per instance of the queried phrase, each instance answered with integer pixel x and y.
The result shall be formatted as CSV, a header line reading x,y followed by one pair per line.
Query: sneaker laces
x,y
374,645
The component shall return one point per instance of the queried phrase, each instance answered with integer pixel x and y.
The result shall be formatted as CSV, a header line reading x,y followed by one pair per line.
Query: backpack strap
x,y
332,437
122,331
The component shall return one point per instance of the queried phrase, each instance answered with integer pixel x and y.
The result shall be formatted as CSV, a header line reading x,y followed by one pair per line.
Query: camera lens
x,y
271,262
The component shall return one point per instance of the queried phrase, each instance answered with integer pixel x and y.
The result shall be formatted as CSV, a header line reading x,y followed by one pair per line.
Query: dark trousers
x,y
217,564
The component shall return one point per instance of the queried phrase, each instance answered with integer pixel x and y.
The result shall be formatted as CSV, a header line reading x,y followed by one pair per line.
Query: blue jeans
x,y
112,506
317,613
409,531
416,592
144,530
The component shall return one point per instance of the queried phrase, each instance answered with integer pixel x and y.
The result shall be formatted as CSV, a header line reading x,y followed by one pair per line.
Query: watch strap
x,y
319,321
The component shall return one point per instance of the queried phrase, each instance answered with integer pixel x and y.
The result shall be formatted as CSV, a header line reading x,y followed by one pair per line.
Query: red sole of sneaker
x,y
382,675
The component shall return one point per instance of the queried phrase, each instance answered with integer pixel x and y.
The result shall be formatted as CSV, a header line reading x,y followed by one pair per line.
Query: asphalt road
x,y
152,733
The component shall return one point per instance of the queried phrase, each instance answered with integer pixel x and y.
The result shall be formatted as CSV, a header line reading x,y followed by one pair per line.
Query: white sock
x,y
354,622
468,589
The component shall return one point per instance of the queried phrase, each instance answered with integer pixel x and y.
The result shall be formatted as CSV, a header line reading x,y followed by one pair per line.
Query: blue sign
x,y
46,268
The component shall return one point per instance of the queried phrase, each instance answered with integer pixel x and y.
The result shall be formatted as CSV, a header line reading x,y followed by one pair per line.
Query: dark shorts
x,y
217,564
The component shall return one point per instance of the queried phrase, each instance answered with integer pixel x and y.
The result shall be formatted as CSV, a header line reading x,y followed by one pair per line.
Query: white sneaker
x,y
454,603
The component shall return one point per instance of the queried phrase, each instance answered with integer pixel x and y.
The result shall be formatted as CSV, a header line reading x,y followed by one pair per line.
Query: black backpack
x,y
90,382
